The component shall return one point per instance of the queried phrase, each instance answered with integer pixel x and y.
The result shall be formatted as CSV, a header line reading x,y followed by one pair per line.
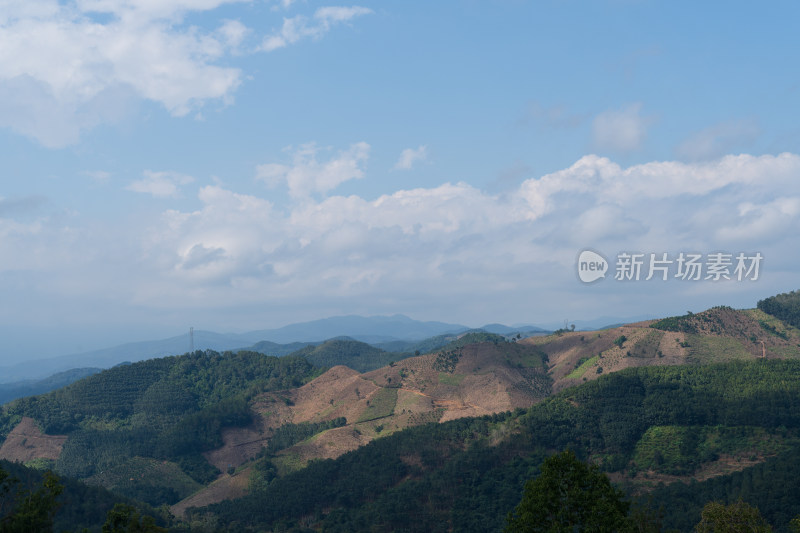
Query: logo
x,y
591,266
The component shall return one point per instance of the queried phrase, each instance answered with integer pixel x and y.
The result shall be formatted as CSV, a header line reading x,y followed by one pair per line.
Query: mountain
x,y
277,350
131,352
12,391
182,422
359,356
351,434
733,428
366,329
525,329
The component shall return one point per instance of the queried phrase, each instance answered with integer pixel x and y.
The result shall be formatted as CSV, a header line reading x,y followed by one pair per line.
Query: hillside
x,y
569,358
277,341
168,411
717,335
357,355
12,391
201,428
466,380
715,423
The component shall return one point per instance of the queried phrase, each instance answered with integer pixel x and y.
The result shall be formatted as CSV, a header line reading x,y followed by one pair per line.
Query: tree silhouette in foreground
x,y
738,517
25,511
568,496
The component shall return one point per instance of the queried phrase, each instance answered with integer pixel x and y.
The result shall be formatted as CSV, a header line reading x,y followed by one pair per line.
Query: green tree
x,y
24,511
125,518
569,495
794,525
738,517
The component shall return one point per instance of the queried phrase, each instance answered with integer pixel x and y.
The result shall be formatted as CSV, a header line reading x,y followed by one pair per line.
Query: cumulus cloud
x,y
306,175
67,67
409,156
160,184
62,72
454,239
300,27
620,130
447,248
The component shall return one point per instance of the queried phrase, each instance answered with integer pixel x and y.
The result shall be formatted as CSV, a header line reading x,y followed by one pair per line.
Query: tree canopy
x,y
569,494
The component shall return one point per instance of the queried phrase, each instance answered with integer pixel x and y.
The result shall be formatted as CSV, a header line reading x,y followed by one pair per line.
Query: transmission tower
x,y
191,339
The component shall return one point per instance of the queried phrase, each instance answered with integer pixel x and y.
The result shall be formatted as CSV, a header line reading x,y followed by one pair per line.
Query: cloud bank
x,y
67,67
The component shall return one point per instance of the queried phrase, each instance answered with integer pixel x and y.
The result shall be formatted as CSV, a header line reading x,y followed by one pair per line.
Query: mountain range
x,y
373,330
345,436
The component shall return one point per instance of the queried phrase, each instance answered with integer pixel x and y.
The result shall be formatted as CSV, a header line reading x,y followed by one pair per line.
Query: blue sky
x,y
239,165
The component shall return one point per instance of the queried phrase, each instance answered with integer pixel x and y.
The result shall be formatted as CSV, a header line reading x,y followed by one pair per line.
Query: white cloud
x,y
451,248
409,156
160,184
308,176
233,33
621,130
283,4
66,67
62,72
300,27
453,239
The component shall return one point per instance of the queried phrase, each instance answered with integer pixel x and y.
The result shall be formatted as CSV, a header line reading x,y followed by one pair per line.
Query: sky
x,y
235,165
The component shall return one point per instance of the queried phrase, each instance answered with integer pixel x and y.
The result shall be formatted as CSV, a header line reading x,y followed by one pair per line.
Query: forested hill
x,y
784,306
735,424
14,390
357,355
364,357
154,418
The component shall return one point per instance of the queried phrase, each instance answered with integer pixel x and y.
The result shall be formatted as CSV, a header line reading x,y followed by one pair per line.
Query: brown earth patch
x,y
726,464
330,444
225,488
241,445
27,442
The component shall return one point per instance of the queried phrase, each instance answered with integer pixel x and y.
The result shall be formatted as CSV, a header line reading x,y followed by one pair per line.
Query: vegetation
x,y
142,430
475,337
12,391
681,324
171,409
569,495
583,365
784,306
36,501
464,477
26,510
447,360
381,405
647,346
289,434
739,516
354,354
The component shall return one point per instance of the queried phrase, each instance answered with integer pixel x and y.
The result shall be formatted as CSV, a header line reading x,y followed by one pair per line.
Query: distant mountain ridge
x,y
12,391
376,330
